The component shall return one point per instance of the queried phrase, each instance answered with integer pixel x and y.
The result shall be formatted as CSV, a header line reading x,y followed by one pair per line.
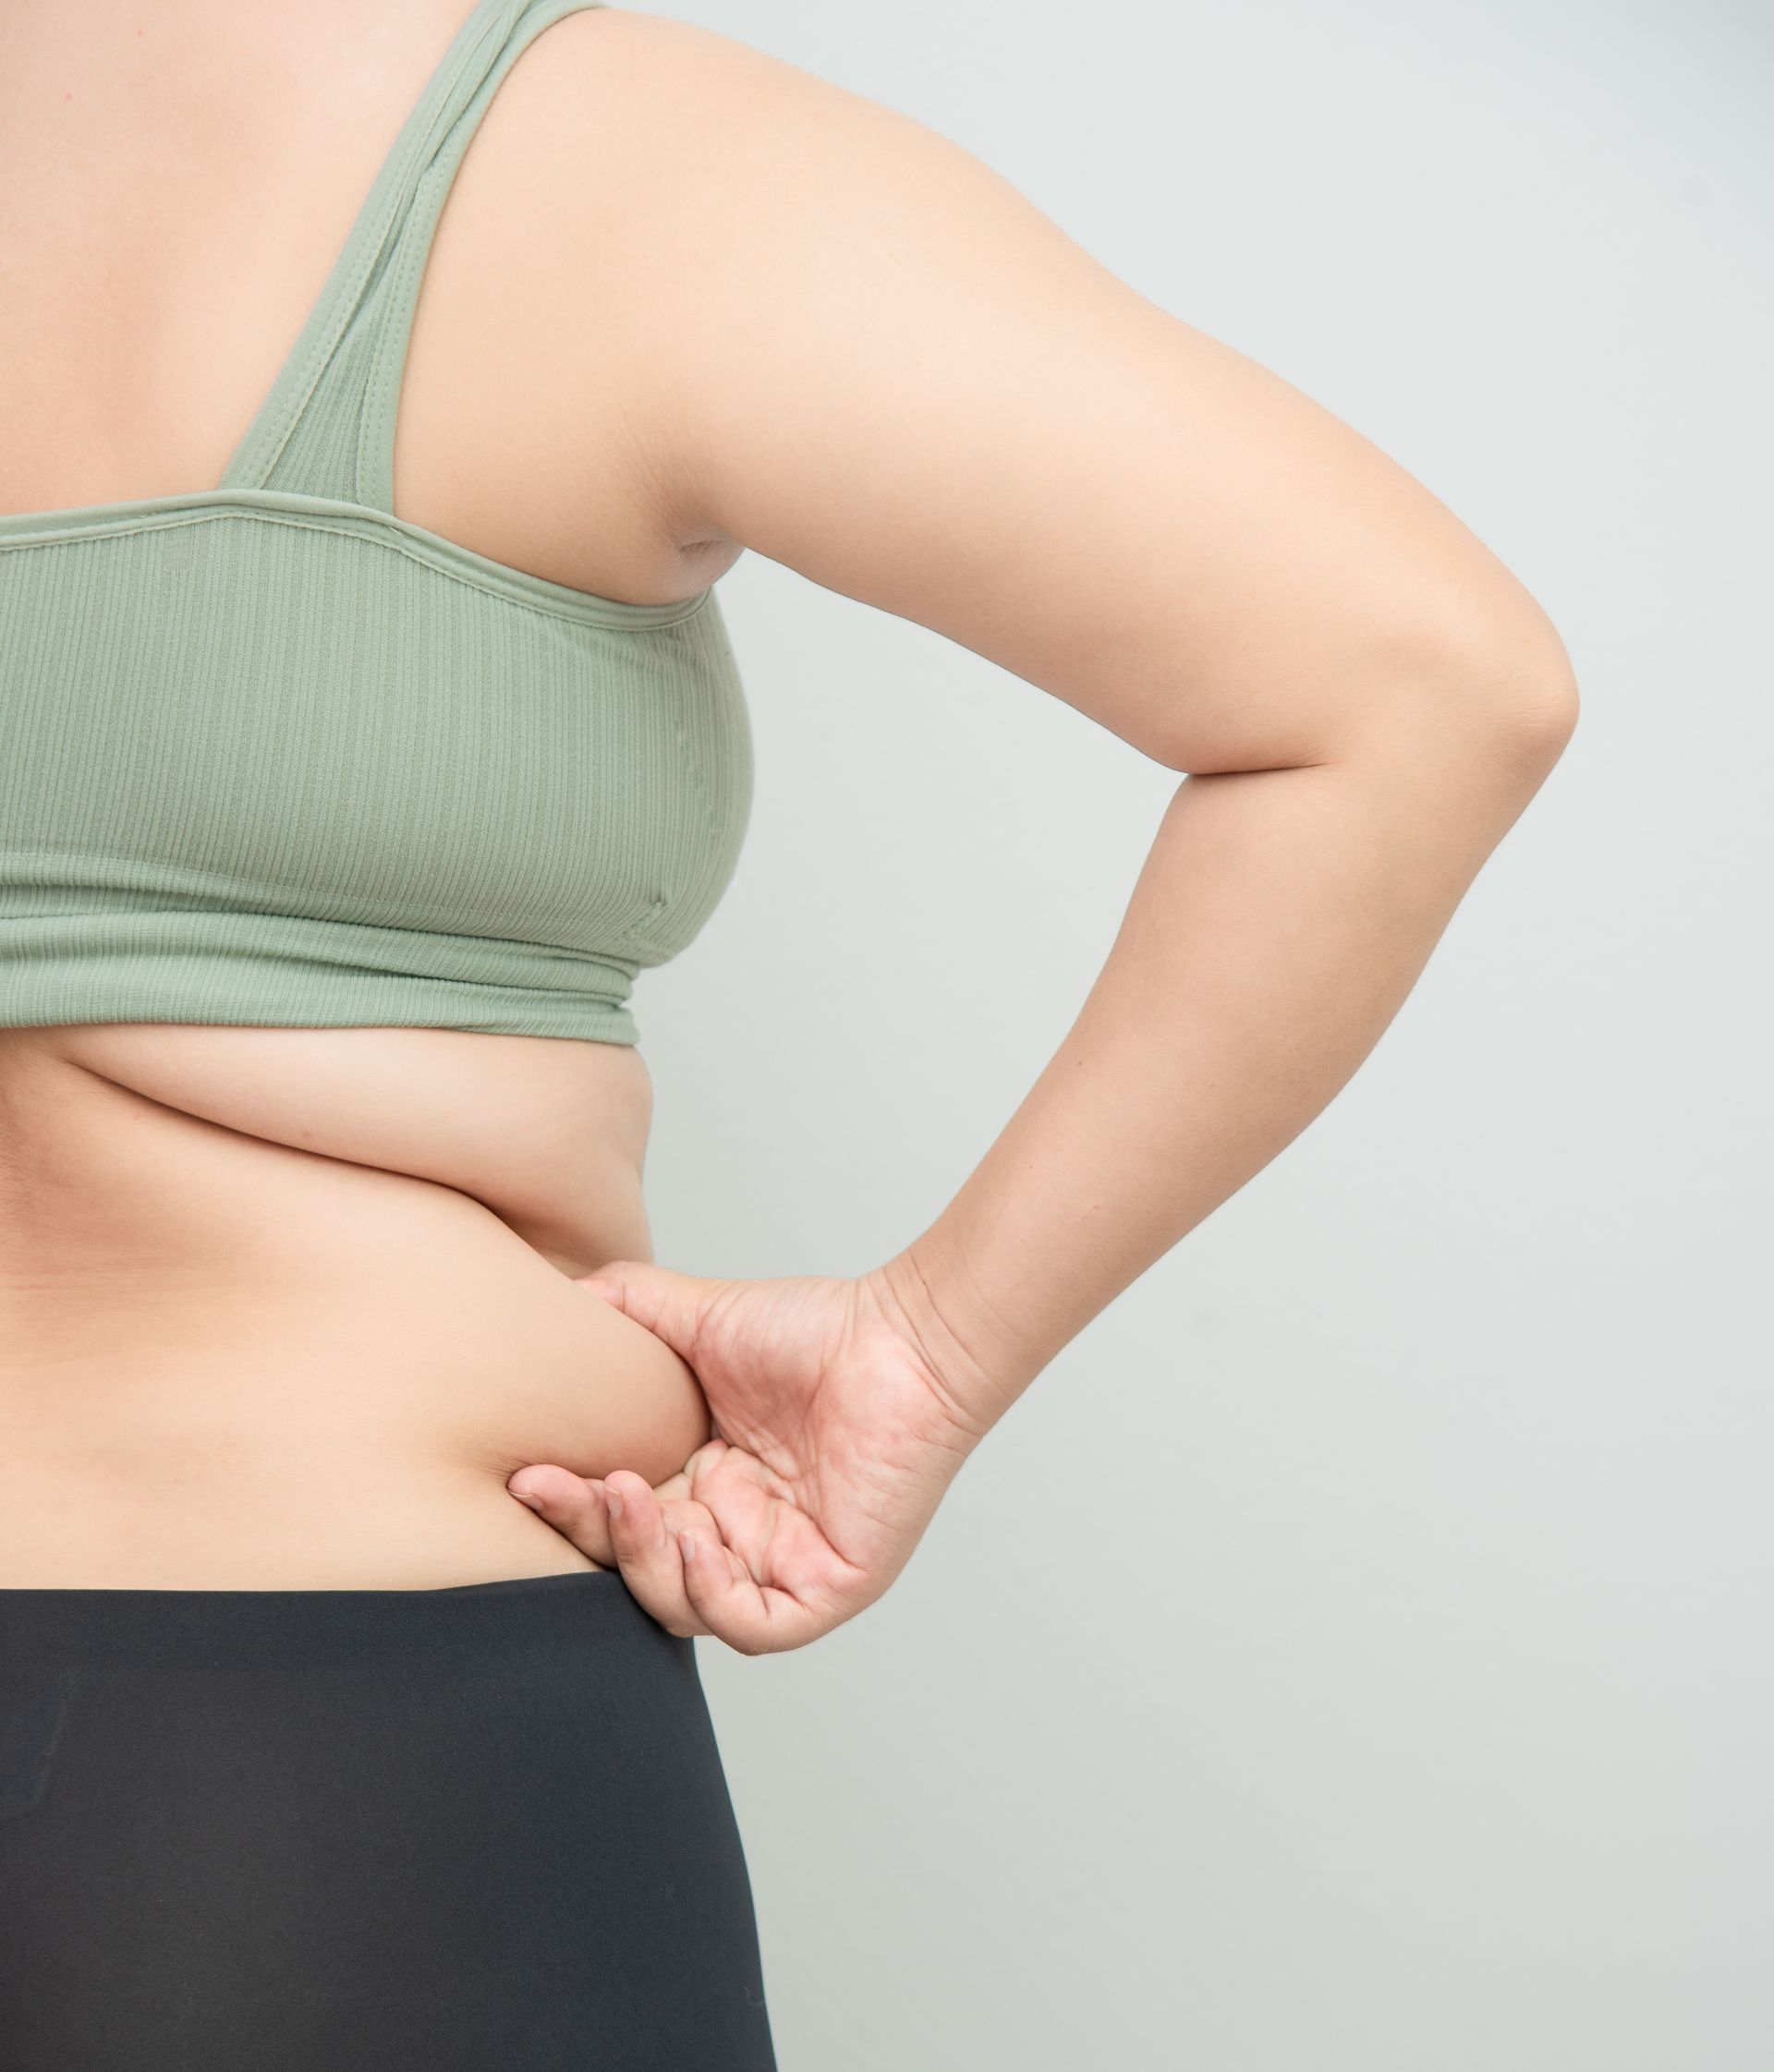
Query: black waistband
x,y
226,1629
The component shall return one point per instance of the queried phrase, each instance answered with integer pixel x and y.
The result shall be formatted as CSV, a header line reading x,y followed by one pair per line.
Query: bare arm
x,y
871,360
893,373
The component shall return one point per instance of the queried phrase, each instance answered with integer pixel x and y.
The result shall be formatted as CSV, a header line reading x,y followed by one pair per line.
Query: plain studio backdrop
x,y
1352,1655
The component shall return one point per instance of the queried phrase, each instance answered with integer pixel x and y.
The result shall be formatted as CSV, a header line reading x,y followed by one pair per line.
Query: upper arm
x,y
873,360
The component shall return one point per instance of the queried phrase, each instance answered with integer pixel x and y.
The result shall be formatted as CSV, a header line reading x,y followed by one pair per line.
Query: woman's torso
x,y
283,1307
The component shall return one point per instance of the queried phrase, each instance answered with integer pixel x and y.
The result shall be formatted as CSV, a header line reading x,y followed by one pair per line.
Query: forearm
x,y
1276,927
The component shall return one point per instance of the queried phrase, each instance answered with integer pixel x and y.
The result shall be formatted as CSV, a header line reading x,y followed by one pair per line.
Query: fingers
x,y
573,1505
680,1569
668,1303
648,1552
751,1618
721,1593
672,1556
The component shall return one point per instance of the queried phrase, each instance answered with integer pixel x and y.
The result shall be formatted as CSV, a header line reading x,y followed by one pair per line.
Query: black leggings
x,y
471,1830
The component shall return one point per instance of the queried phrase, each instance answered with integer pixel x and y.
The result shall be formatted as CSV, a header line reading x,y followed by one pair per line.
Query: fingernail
x,y
613,1499
523,1497
687,1542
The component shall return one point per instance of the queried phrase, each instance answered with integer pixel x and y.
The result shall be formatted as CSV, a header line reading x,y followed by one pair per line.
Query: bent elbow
x,y
1530,699
1448,681
1482,688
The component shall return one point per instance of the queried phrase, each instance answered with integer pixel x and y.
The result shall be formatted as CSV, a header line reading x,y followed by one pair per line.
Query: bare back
x,y
254,1280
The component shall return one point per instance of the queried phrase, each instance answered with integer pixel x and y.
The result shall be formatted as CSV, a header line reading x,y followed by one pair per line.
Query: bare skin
x,y
286,1307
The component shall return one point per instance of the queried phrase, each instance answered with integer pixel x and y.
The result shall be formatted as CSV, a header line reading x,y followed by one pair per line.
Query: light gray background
x,y
1352,1655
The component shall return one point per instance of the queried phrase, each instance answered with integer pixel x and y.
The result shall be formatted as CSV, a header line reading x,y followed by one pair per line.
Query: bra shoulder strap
x,y
328,425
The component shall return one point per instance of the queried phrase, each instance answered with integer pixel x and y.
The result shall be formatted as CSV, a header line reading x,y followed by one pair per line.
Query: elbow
x,y
1481,692
1527,701
1443,686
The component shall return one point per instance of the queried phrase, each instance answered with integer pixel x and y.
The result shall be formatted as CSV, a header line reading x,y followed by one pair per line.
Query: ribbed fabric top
x,y
270,754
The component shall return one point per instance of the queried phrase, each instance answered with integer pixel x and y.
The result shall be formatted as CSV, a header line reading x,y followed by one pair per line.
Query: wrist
x,y
976,1382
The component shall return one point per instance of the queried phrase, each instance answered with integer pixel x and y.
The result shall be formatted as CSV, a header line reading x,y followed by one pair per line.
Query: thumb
x,y
669,1304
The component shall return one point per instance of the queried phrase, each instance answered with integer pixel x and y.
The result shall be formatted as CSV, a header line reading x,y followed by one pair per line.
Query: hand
x,y
835,1441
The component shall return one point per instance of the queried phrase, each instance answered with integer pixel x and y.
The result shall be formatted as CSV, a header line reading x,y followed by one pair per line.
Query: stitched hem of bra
x,y
618,1029
351,521
198,885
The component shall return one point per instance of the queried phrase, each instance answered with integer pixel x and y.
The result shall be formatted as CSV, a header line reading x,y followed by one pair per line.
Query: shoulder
x,y
566,298
657,51
748,241
703,121
630,247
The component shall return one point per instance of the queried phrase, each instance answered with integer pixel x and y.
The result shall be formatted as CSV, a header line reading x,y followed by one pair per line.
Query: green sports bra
x,y
270,754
